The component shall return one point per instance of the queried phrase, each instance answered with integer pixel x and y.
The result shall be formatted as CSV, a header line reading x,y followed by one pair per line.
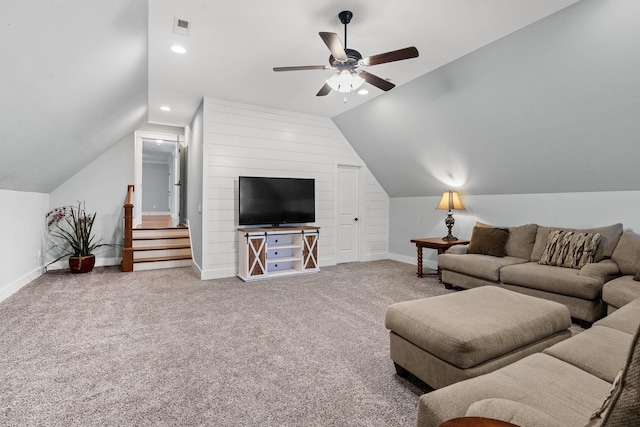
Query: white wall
x,y
415,217
194,142
242,139
22,226
102,185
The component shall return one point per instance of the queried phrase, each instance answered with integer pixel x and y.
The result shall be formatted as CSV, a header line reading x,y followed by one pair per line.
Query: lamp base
x,y
449,221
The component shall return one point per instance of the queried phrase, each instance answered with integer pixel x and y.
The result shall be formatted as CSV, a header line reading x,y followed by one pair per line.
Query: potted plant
x,y
71,227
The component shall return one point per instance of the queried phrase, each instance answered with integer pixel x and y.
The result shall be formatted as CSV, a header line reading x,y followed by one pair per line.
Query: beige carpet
x,y
165,348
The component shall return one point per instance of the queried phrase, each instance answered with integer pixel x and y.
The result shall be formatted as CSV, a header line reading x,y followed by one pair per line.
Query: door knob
x,y
355,219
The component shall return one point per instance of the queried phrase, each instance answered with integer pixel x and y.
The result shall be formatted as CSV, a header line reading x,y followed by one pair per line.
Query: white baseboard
x,y
18,284
217,274
412,260
376,256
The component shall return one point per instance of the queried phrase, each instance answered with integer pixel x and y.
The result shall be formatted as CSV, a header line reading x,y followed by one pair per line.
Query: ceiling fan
x,y
350,64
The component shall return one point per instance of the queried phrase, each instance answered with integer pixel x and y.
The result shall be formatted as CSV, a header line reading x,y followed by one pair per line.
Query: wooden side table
x,y
476,422
434,243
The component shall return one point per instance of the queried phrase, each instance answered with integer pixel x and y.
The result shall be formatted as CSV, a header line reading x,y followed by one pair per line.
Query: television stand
x,y
277,251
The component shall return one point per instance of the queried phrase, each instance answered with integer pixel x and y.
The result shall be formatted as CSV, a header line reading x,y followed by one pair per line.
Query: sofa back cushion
x,y
627,253
609,236
520,241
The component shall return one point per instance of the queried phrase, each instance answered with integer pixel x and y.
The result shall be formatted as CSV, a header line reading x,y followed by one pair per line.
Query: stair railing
x,y
127,251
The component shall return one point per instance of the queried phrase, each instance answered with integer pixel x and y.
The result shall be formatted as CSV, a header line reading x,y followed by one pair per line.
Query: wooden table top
x,y
435,242
476,422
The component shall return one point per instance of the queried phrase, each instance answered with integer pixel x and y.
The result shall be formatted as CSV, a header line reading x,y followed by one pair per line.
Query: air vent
x,y
181,26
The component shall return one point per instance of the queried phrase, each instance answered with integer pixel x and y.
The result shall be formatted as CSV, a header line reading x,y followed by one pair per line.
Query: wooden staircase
x,y
155,244
160,247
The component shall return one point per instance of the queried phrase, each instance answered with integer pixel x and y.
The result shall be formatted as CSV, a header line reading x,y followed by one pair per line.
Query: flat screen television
x,y
276,201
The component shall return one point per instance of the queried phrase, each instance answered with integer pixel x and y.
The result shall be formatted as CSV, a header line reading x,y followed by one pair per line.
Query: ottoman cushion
x,y
472,326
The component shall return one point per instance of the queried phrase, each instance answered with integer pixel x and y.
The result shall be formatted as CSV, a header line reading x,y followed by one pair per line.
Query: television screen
x,y
275,201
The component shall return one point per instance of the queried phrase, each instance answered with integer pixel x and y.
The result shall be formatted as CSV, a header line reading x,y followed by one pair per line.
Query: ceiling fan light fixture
x,y
345,81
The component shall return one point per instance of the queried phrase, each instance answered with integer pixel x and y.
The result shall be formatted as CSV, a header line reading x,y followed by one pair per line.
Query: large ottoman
x,y
450,338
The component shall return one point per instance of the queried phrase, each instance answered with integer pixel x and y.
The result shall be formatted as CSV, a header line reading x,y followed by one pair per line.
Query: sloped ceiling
x,y
74,83
79,76
552,108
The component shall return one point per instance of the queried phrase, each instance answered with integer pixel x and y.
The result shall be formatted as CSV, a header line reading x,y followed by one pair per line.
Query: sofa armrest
x,y
457,249
513,412
604,270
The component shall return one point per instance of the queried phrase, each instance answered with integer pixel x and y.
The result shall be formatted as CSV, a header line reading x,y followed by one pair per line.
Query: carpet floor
x,y
165,348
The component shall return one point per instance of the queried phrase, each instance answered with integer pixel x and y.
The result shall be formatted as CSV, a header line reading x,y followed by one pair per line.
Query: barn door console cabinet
x,y
278,251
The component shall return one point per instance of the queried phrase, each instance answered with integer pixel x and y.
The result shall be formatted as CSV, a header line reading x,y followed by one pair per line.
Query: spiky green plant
x,y
71,226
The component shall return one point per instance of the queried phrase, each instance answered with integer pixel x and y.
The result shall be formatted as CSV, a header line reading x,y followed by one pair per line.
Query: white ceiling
x,y
78,76
233,46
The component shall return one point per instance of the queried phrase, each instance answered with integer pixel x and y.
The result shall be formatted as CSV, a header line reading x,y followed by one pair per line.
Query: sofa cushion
x,y
558,280
488,241
620,291
626,319
482,266
570,249
512,412
521,240
627,253
609,236
543,382
599,350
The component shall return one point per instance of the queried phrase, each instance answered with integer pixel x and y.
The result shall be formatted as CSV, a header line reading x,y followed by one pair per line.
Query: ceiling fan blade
x,y
394,55
376,81
335,46
302,67
324,90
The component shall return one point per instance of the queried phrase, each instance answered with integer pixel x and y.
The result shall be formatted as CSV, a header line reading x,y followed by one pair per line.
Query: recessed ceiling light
x,y
178,49
165,108
363,92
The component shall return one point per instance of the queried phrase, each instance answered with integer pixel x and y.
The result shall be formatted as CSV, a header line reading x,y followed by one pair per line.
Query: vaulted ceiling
x,y
79,76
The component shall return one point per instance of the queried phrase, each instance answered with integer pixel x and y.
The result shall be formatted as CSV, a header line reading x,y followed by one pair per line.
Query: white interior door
x,y
348,220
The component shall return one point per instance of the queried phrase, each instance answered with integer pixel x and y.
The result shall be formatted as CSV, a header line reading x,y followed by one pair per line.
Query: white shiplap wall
x,y
241,139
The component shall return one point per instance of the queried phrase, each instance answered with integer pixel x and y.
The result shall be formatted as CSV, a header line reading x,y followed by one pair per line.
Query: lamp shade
x,y
450,200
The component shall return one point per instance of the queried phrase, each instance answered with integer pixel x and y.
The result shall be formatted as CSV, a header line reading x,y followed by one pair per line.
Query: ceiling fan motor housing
x,y
353,57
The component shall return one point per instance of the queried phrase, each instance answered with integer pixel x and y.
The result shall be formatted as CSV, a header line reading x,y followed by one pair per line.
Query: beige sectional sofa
x,y
626,287
562,386
579,287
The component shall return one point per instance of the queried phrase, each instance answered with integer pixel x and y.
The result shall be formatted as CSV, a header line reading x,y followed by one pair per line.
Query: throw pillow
x,y
553,247
570,249
488,241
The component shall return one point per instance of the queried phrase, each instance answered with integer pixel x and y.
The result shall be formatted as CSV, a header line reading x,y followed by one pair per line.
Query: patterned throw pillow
x,y
570,249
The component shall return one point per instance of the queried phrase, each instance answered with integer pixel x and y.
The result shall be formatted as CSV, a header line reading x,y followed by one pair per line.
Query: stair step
x,y
172,253
160,233
154,243
162,258
164,246
142,266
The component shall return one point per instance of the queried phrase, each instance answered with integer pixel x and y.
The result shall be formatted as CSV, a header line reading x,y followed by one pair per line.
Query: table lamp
x,y
450,200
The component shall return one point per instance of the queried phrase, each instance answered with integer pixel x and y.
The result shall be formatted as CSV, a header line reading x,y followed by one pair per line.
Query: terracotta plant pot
x,y
82,264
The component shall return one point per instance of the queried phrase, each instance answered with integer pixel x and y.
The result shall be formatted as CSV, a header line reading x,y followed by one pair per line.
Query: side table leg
x,y
419,273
